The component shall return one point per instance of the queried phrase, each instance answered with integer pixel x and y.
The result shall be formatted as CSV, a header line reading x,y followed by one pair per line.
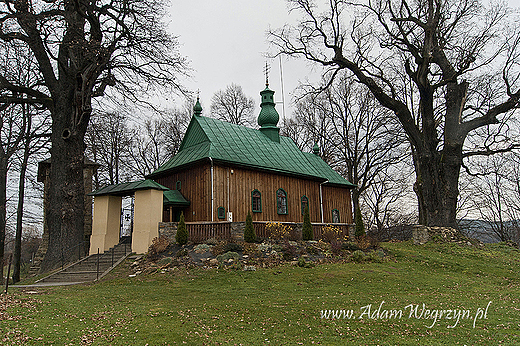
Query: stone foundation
x,y
422,234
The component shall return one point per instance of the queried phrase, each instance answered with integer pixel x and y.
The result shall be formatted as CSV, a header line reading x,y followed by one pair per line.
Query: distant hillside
x,y
484,230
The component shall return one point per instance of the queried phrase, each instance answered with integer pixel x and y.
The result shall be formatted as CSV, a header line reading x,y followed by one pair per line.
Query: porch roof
x,y
174,198
128,189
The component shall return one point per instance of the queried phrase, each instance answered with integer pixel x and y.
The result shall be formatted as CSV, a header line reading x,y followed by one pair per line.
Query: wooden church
x,y
223,171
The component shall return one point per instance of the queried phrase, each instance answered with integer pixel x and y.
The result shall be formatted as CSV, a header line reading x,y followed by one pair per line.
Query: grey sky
x,y
225,42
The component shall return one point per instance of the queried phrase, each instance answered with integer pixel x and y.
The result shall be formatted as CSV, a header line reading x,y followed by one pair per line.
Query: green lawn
x,y
282,306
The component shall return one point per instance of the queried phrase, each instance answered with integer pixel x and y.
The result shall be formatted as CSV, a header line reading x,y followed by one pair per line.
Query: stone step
x,y
87,269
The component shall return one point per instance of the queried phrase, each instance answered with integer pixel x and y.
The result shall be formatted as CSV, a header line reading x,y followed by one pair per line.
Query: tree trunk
x,y
436,186
21,195
65,213
3,194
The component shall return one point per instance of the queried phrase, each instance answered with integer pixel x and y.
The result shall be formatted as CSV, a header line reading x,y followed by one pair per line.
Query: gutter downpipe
x,y
321,200
212,201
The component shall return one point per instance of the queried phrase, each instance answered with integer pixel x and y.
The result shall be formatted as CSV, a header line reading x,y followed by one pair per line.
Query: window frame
x,y
223,216
337,211
278,202
301,203
259,209
178,185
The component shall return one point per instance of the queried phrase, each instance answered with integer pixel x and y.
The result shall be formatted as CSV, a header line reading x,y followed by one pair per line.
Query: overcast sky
x,y
225,42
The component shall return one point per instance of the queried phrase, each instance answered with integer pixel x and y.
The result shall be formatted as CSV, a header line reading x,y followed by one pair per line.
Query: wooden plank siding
x,y
233,187
336,198
195,187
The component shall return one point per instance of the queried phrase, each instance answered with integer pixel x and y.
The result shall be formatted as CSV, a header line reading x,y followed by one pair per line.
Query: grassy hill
x,y
435,294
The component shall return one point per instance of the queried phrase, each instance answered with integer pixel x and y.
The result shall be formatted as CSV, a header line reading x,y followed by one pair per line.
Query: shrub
x,y
289,250
158,246
331,233
375,256
277,230
227,256
358,256
302,263
164,261
182,232
363,242
312,250
336,247
234,247
201,248
350,246
307,227
249,231
359,225
211,241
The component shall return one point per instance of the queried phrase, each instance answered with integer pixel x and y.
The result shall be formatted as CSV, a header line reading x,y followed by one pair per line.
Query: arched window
x,y
221,213
305,203
178,185
335,216
256,201
281,201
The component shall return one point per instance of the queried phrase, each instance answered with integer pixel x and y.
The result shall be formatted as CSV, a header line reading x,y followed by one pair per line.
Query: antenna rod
x,y
283,93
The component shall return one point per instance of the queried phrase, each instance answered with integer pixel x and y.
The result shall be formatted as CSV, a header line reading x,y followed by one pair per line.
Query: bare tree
x,y
11,135
108,140
233,106
155,142
36,139
447,70
494,199
356,136
83,48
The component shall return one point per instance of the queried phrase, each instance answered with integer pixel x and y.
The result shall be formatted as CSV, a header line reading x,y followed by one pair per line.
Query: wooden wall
x,y
233,187
337,198
195,187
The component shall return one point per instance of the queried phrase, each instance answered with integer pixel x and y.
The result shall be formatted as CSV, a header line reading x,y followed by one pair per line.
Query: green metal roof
x,y
175,198
126,189
243,146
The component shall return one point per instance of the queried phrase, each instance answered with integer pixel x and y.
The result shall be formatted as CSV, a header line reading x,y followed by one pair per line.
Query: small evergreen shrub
x,y
307,233
211,241
201,248
164,261
227,256
359,225
350,246
249,231
304,264
182,232
375,256
358,256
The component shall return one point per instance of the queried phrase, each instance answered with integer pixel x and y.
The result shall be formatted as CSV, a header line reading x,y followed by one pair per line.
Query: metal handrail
x,y
78,245
111,253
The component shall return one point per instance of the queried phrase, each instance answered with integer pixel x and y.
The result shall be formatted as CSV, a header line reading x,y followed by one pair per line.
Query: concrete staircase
x,y
90,268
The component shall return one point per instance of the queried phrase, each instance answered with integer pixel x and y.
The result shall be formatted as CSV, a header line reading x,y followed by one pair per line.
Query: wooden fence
x,y
201,231
345,229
